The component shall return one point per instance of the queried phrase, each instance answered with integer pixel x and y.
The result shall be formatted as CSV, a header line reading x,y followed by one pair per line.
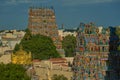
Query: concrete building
x,y
3,49
65,32
69,60
45,69
10,38
5,59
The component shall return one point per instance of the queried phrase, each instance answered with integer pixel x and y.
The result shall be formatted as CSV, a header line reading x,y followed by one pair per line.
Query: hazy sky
x,y
14,13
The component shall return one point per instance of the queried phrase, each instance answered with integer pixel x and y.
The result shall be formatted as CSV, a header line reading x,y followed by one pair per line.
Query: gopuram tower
x,y
42,21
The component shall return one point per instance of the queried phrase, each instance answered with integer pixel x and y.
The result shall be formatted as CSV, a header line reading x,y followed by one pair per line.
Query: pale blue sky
x,y
14,13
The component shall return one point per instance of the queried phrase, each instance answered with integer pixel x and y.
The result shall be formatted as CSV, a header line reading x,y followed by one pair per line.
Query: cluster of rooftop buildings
x,y
45,69
8,40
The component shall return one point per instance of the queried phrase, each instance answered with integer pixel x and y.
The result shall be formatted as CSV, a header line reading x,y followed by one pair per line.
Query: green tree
x,y
13,72
69,44
16,48
40,46
119,48
118,34
118,31
0,43
28,34
59,77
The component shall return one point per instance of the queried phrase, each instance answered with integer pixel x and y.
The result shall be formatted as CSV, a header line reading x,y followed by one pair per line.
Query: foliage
x,y
16,48
118,31
40,46
119,48
28,34
69,44
1,31
0,43
12,72
59,77
118,34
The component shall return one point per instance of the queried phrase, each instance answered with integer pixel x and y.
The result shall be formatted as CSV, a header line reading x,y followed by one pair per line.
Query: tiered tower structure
x,y
42,21
90,62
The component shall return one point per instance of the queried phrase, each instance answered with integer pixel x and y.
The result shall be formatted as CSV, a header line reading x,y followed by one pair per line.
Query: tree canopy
x,y
0,43
118,31
69,44
119,48
12,72
40,46
118,34
59,77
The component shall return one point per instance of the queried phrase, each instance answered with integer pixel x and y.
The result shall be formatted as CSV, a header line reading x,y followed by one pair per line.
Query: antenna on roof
x,y
62,26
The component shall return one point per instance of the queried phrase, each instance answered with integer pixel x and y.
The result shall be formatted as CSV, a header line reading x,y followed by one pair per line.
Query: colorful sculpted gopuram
x,y
90,62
